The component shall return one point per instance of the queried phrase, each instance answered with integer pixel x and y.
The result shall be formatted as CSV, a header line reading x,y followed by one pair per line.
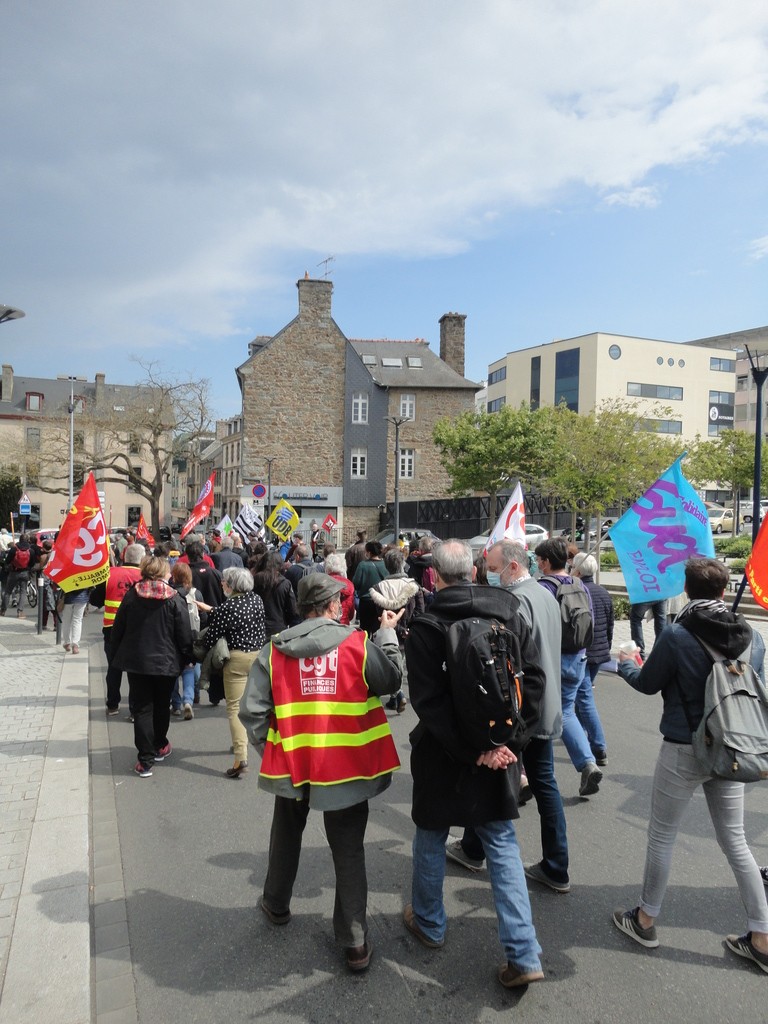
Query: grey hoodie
x,y
311,638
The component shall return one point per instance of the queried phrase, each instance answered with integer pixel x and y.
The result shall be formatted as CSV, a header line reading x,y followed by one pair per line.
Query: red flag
x,y
80,556
142,533
203,506
329,522
756,568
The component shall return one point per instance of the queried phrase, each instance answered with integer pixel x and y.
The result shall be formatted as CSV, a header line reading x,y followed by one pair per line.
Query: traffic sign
x,y
259,490
25,506
25,499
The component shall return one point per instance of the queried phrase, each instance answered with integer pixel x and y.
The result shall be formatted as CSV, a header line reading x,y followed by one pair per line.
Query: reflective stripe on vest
x,y
121,579
326,727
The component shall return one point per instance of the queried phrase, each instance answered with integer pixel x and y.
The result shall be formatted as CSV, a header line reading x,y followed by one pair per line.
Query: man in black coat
x,y
454,783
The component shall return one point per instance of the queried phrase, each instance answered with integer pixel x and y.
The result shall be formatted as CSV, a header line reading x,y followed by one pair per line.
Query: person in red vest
x,y
291,710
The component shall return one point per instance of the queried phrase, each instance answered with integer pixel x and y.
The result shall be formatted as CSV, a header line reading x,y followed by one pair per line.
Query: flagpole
x,y
758,376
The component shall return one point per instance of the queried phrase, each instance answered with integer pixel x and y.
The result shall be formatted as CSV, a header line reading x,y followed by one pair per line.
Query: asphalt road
x,y
194,857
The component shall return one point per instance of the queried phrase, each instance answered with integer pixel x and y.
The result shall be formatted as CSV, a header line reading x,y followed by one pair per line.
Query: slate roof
x,y
56,395
433,372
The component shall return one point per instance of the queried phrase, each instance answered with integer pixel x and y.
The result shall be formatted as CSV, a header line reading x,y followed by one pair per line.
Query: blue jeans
x,y
539,765
586,712
636,616
573,668
678,775
510,892
189,676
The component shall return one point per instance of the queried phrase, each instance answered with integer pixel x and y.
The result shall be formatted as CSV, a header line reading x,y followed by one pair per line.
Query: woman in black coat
x,y
151,641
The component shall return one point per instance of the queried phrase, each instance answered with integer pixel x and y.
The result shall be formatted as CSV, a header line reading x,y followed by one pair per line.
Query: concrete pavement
x,y
137,900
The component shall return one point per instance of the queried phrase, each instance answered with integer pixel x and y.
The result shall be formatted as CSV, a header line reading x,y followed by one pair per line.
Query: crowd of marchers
x,y
309,647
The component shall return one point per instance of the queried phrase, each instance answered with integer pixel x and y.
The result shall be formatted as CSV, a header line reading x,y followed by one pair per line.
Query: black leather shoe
x,y
358,957
237,770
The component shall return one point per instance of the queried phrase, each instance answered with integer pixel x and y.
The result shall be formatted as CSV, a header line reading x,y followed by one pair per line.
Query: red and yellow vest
x,y
327,728
121,579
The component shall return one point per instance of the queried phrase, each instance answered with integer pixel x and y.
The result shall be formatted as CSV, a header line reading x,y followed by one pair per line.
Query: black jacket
x,y
208,582
152,635
448,787
280,609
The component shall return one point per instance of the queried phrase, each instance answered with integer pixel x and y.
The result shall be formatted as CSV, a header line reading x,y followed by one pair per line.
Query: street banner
x,y
80,555
667,525
756,569
225,526
249,523
142,533
202,508
283,520
511,523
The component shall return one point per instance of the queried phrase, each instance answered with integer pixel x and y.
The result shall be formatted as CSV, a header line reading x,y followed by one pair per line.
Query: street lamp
x,y
398,421
9,313
71,411
269,459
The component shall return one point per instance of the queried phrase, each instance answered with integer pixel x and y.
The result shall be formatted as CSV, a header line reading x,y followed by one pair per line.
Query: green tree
x,y
729,461
486,452
10,492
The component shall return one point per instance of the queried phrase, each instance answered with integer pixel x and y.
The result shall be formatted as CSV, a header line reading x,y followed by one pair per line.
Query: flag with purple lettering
x,y
665,526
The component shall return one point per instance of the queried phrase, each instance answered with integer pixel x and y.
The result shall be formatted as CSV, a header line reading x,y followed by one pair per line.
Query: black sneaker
x,y
741,945
626,921
591,777
601,758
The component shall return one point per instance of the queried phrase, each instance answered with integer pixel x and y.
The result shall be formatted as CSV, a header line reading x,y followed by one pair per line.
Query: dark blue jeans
x,y
539,765
636,616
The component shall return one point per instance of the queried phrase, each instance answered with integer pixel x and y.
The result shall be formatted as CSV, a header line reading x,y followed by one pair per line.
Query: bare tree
x,y
130,435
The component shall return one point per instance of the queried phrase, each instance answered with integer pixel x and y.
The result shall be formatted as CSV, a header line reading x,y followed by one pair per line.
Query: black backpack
x,y
483,665
575,613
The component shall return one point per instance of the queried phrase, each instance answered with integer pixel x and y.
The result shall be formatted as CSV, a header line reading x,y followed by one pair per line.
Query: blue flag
x,y
654,538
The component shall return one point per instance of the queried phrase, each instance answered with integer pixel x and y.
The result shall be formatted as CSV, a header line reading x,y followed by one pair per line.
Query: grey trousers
x,y
345,831
677,776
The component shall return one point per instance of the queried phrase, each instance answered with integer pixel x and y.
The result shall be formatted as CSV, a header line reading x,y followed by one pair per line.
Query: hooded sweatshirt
x,y
151,634
678,666
311,639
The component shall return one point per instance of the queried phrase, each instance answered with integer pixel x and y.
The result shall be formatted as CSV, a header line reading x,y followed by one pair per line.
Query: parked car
x,y
747,515
720,519
41,535
411,534
534,534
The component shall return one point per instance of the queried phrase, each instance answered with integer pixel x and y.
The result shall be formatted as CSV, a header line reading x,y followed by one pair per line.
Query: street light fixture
x,y
398,421
10,313
71,411
269,459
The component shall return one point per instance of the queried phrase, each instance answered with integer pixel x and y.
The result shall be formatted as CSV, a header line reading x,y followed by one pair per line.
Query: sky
x,y
549,168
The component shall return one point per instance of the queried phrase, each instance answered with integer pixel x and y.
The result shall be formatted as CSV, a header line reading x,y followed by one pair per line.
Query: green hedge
x,y
620,606
609,560
734,547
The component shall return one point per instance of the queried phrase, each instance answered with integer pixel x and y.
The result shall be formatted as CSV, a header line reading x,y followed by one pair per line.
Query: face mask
x,y
494,579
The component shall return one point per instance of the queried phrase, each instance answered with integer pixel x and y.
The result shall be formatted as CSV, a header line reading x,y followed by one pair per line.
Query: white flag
x,y
225,526
511,523
248,523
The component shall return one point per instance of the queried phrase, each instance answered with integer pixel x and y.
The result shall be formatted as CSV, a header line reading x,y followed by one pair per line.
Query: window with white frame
x,y
360,407
408,407
359,464
406,463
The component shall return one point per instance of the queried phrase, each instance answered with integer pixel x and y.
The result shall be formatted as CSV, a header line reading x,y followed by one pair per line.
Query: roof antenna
x,y
327,264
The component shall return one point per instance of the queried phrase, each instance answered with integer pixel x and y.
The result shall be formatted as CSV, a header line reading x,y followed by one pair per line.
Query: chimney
x,y
258,344
7,393
452,340
99,378
314,299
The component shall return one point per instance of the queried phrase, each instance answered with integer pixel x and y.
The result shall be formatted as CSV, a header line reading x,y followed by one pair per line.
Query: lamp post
x,y
398,421
71,411
269,459
10,313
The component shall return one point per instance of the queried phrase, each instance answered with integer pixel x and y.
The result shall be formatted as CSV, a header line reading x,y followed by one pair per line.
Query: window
x,y
34,401
358,469
496,404
721,397
394,363
662,426
134,444
664,391
742,383
497,375
408,407
33,474
369,360
725,365
79,403
78,441
567,378
713,429
132,515
614,352
120,408
33,437
360,407
415,362
135,471
535,396
660,360
406,463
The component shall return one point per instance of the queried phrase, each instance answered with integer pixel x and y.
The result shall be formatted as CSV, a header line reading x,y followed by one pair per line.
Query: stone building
x,y
321,407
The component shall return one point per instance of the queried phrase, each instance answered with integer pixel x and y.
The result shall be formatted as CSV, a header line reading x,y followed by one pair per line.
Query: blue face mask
x,y
494,579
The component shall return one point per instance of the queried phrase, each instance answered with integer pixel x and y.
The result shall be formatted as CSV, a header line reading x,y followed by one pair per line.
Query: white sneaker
x,y
188,712
455,851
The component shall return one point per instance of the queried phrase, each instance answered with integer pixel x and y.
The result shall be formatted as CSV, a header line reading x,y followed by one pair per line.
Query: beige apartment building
x,y
696,383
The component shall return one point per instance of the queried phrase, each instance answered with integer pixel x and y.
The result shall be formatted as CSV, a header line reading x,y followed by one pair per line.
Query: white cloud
x,y
161,161
644,196
758,249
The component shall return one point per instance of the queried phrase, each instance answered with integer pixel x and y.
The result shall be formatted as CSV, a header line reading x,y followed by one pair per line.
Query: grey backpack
x,y
731,741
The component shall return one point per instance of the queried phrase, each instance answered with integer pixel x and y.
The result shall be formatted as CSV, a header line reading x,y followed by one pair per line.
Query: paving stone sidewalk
x,y
44,848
